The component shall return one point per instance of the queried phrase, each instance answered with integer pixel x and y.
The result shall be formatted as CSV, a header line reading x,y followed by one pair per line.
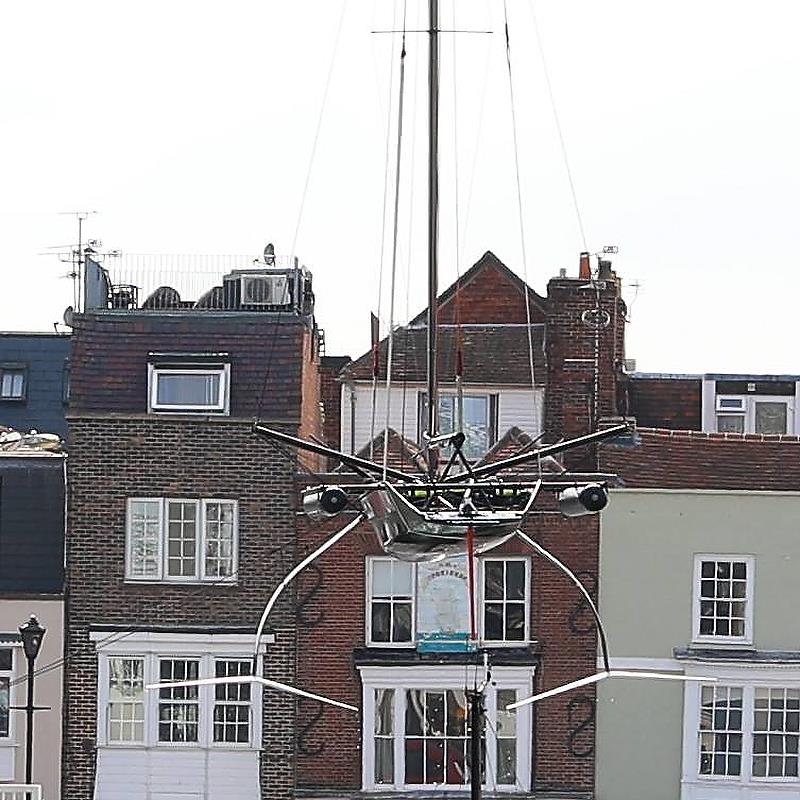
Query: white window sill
x,y
177,746
722,642
218,582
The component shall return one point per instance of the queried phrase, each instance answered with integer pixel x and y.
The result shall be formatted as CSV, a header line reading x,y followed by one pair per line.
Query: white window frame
x,y
9,674
747,638
14,369
748,677
492,414
443,677
107,710
222,405
481,600
153,648
199,576
747,410
412,642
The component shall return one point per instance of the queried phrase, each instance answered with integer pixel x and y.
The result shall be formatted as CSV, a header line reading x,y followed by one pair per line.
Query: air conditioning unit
x,y
264,290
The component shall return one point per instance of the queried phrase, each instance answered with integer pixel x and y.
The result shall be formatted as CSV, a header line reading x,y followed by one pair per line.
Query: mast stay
x,y
433,228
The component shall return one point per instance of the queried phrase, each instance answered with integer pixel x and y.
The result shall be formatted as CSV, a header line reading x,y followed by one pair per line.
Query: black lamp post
x,y
32,634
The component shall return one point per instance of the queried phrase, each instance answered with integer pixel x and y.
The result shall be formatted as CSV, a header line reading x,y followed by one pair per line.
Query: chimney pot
x,y
585,267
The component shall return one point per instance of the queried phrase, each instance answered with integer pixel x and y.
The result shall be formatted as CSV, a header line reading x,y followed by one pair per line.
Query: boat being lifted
x,y
424,520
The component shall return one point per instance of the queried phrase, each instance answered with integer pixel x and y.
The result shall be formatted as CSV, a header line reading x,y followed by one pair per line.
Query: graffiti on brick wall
x,y
310,618
306,729
580,716
580,619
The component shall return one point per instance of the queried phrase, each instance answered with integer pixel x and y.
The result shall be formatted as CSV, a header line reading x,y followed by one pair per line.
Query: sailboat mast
x,y
433,221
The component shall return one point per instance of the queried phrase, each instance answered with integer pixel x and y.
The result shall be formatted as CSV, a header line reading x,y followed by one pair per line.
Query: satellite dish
x,y
269,254
69,314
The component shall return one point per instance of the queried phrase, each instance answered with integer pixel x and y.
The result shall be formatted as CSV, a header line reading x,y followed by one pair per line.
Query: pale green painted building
x,y
702,583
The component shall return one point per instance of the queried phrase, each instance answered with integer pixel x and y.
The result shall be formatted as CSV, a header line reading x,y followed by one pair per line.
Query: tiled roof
x,y
513,442
494,354
402,452
696,460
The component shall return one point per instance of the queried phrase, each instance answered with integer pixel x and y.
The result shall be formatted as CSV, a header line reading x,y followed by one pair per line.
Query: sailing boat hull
x,y
411,534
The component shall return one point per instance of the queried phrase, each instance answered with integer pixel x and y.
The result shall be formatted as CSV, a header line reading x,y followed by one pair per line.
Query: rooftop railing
x,y
160,282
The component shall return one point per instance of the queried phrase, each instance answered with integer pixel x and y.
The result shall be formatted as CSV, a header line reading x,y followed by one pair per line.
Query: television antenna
x,y
75,255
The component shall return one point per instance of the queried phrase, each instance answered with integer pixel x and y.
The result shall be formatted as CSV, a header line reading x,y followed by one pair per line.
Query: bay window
x,y
417,734
226,715
743,731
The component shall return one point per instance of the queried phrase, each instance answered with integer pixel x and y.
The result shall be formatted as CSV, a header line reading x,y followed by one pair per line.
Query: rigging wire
x,y
478,133
376,348
458,423
553,106
319,125
455,137
406,333
519,201
390,345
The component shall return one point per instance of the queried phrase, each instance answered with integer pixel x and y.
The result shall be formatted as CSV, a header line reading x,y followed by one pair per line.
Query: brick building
x,y
384,634
181,523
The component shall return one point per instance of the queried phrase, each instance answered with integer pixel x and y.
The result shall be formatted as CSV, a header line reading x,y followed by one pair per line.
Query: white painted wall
x,y
126,773
521,407
48,692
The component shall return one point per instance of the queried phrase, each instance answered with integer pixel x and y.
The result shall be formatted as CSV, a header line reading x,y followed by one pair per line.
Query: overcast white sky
x,y
188,127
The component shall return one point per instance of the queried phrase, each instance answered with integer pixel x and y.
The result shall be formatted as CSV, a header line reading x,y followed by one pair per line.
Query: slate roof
x,y
493,354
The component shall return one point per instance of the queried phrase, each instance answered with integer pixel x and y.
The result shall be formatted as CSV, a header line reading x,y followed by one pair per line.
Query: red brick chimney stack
x,y
585,267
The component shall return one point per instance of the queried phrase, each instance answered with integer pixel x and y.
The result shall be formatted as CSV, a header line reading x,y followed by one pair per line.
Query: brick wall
x,y
114,458
572,357
672,403
490,296
331,602
331,391
310,396
109,358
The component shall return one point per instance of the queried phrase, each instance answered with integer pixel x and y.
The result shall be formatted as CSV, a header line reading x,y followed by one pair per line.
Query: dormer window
x,y
189,384
12,382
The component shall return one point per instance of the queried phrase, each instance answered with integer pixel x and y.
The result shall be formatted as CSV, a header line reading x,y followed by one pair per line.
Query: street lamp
x,y
32,634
